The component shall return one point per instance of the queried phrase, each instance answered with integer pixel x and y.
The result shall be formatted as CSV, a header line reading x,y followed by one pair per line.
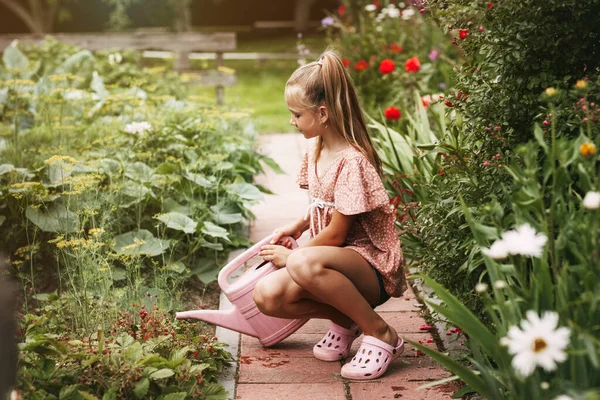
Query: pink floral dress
x,y
351,185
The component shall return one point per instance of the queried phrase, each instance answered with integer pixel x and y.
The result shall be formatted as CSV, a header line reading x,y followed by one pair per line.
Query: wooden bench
x,y
179,43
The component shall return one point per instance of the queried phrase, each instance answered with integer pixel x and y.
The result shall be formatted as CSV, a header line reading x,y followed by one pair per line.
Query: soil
x,y
196,295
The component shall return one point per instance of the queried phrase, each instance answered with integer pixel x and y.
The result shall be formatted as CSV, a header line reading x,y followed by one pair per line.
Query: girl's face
x,y
305,120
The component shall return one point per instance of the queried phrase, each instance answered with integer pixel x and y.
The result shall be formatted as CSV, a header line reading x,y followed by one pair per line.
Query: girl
x,y
353,261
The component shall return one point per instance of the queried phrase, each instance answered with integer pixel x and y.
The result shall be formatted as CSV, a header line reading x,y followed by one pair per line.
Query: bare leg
x,y
332,276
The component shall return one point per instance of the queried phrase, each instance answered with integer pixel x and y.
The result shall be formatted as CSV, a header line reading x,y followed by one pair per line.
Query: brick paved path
x,y
289,370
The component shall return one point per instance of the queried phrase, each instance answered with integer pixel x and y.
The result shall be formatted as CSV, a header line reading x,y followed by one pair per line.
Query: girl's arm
x,y
335,233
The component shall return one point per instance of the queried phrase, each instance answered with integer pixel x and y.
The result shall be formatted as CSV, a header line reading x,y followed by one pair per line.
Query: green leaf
x,y
110,395
178,267
133,353
139,172
14,59
140,242
227,219
177,221
5,168
198,179
55,219
68,392
2,219
209,245
206,270
273,165
162,374
86,395
197,368
213,230
461,316
71,64
213,391
119,274
467,375
245,191
110,167
175,396
171,205
539,136
140,389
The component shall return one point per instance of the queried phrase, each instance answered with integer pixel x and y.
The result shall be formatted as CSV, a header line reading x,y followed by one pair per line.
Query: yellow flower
x,y
95,231
551,91
587,149
60,161
581,84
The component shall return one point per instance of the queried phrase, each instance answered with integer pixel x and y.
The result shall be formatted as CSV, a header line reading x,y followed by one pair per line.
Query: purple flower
x,y
327,21
442,85
433,55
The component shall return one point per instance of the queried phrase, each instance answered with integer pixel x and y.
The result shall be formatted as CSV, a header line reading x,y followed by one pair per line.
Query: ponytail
x,y
326,82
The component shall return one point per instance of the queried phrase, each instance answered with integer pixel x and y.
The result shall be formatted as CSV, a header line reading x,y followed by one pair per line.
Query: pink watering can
x,y
244,316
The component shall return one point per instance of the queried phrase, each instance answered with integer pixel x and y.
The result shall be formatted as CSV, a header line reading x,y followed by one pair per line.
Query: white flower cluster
x,y
74,95
591,201
522,241
391,11
115,58
138,128
538,343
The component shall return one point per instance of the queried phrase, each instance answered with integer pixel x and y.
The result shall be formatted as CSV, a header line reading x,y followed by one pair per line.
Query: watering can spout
x,y
230,319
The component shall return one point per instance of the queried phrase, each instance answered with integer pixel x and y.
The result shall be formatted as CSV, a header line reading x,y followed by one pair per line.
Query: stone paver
x,y
288,370
292,391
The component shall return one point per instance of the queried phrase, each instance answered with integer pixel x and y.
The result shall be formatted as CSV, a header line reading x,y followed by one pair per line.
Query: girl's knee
x,y
303,266
268,296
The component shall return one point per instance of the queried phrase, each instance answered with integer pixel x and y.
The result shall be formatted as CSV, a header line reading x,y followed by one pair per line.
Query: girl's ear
x,y
323,114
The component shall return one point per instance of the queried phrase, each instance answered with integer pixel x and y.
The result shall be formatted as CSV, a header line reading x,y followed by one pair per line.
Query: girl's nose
x,y
292,122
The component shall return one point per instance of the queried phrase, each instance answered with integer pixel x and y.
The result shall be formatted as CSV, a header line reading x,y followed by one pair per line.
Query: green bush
x,y
110,193
541,259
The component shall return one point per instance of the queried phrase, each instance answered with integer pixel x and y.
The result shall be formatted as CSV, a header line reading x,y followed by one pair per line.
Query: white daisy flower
x,y
497,250
591,201
370,7
522,241
538,343
500,284
138,128
408,13
393,12
544,385
563,397
481,287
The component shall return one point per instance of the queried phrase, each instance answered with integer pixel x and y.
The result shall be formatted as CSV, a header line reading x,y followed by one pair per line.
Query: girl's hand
x,y
287,230
278,255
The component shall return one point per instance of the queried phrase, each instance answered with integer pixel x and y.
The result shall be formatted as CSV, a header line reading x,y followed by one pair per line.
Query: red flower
x,y
412,64
463,33
387,66
341,10
490,5
396,48
425,327
392,113
346,62
376,3
361,65
448,104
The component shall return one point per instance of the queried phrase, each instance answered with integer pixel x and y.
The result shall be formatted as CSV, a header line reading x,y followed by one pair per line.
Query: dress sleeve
x,y
302,178
358,188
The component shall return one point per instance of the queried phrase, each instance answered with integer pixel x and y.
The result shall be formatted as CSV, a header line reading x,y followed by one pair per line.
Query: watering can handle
x,y
243,258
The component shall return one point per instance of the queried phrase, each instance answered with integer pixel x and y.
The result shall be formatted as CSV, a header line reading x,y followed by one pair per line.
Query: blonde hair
x,y
326,82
